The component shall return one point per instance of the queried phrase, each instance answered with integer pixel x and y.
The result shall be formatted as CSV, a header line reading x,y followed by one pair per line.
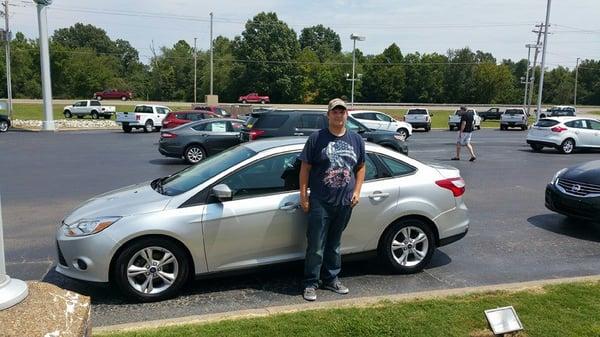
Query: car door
x,y
594,132
385,122
369,120
218,136
79,108
307,123
262,224
580,132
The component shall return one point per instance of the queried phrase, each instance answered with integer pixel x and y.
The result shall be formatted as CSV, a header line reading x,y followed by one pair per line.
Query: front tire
x,y
148,126
567,146
106,116
99,98
407,246
95,115
4,126
244,101
123,98
194,154
68,114
151,269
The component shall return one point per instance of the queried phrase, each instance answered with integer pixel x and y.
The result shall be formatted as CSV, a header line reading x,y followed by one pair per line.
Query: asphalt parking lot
x,y
513,237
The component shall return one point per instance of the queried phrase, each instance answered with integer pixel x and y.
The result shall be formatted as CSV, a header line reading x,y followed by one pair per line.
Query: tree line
x,y
271,58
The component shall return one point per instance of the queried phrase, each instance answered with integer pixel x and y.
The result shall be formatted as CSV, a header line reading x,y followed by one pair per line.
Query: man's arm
x,y
304,174
360,178
462,126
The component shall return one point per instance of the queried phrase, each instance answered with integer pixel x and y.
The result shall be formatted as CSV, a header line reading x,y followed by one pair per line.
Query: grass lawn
x,y
559,310
595,112
34,111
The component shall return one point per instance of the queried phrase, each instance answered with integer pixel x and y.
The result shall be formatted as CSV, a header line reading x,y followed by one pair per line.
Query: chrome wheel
x,y
152,270
567,146
3,126
194,154
410,246
403,133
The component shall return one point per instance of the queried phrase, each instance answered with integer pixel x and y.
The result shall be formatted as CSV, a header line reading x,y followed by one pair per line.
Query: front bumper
x,y
573,206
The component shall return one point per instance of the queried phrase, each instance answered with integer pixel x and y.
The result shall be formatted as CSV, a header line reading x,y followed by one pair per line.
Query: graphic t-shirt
x,y
467,117
334,163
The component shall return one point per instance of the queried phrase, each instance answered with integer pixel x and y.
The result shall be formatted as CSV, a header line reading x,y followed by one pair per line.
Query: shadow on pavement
x,y
575,228
178,162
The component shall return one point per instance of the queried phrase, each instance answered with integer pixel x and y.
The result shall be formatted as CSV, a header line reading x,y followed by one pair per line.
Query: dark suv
x,y
283,123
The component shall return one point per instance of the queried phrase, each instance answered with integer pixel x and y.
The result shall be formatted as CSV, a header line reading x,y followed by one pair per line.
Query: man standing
x,y
464,133
333,166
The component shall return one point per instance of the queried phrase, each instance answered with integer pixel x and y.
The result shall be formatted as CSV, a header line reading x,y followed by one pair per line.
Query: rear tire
x,y
194,154
428,128
524,127
407,246
536,147
478,127
262,101
244,101
94,115
123,98
567,146
3,126
148,126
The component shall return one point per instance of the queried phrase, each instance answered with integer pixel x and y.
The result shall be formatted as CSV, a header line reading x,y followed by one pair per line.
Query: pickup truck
x,y
89,107
254,98
418,118
146,116
559,111
491,113
514,118
454,120
113,94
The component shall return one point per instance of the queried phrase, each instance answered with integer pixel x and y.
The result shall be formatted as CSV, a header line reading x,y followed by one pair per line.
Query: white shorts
x,y
464,138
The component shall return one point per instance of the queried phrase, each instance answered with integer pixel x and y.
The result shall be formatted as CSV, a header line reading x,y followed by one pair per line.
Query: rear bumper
x,y
541,142
132,124
420,124
170,151
508,123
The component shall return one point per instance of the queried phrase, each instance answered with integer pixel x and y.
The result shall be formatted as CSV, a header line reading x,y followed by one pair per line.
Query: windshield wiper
x,y
159,185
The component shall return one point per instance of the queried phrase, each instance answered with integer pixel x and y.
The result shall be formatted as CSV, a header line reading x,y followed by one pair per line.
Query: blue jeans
x,y
326,223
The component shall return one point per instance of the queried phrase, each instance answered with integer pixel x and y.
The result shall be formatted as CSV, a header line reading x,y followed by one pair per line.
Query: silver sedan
x,y
239,209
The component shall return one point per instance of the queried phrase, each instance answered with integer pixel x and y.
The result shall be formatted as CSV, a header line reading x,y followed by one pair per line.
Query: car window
x,y
220,126
594,125
95,103
270,175
514,111
383,118
310,121
353,125
181,116
370,169
237,126
578,124
80,104
417,112
269,121
162,110
369,116
396,167
200,127
546,123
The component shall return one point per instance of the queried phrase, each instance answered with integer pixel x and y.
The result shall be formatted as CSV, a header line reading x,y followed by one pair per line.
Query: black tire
x,y
123,98
262,101
403,133
94,115
536,147
180,268
68,114
451,128
478,127
244,101
428,128
194,154
389,255
567,146
4,125
99,98
148,126
126,128
523,127
502,127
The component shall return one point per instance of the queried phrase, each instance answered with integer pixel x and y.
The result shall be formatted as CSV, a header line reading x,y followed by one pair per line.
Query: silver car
x,y
240,209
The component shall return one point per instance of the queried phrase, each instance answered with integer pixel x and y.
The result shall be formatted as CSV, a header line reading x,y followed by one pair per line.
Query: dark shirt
x,y
467,117
334,161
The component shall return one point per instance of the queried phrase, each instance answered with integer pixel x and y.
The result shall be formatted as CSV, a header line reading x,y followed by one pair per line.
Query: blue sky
x,y
501,27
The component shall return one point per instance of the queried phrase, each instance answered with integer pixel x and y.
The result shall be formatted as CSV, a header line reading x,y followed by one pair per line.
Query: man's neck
x,y
337,130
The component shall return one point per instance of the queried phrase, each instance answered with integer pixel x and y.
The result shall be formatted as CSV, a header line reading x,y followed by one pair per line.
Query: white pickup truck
x,y
454,120
146,116
513,118
418,118
88,107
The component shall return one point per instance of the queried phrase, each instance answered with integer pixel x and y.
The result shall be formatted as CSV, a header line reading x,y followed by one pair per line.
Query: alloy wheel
x,y
410,246
152,270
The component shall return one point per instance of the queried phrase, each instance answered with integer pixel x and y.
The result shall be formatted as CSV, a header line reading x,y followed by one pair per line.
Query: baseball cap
x,y
463,107
337,102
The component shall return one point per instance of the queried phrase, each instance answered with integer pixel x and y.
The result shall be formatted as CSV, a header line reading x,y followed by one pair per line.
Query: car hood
x,y
130,200
588,173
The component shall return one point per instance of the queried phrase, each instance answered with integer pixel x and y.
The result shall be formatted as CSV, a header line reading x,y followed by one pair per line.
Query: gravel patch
x,y
68,124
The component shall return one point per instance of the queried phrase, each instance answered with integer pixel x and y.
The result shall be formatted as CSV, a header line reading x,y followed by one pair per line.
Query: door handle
x,y
378,195
298,133
289,206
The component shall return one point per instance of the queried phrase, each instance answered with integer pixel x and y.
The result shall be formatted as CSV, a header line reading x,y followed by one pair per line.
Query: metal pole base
x,y
12,291
48,126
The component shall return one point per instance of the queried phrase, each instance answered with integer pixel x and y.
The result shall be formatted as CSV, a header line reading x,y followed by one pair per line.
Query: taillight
x,y
558,129
456,185
254,134
137,117
167,135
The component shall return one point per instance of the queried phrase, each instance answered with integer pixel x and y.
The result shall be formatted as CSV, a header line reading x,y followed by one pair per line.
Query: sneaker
x,y
337,287
454,158
472,159
310,294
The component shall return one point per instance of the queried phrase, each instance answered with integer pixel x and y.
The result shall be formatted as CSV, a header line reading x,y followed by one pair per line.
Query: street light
x,y
48,123
354,38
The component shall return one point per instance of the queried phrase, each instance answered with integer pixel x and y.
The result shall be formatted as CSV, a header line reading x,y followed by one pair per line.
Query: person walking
x,y
333,167
464,133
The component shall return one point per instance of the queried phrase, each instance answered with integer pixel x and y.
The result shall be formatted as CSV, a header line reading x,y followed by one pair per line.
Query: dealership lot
x,y
513,237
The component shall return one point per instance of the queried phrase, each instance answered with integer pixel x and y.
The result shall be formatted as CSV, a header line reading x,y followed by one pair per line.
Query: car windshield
x,y
193,176
354,125
546,123
514,111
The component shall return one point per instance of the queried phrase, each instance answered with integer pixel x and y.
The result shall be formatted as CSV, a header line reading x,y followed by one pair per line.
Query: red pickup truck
x,y
113,94
254,98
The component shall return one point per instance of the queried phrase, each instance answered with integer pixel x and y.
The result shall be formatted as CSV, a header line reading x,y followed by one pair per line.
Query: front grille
x,y
578,188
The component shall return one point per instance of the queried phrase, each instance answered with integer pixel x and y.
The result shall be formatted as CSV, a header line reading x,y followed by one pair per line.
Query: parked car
x,y
454,120
254,98
91,107
418,118
514,118
559,111
376,120
564,133
198,140
213,108
491,113
5,123
177,118
113,94
240,209
283,123
148,117
575,191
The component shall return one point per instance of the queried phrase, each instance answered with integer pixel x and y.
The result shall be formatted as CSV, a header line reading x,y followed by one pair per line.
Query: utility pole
x,y
211,53
544,47
48,122
535,56
527,73
195,62
8,71
575,92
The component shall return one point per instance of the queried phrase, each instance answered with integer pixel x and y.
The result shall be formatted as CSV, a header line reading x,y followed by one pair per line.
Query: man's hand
x,y
355,199
305,205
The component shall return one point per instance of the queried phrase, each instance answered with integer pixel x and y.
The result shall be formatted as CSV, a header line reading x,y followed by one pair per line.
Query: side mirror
x,y
222,192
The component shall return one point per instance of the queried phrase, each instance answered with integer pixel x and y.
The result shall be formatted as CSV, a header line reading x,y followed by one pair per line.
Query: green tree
x,y
559,84
492,84
384,78
172,73
321,40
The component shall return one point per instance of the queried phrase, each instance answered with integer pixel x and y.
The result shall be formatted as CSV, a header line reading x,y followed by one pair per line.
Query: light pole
x,y
529,46
48,123
195,62
543,69
575,92
211,53
7,38
354,37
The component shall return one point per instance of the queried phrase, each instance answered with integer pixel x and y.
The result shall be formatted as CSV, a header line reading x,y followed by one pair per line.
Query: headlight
x,y
85,227
558,174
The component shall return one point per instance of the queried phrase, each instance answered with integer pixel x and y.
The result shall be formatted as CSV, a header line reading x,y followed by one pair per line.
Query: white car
x,y
91,107
564,133
515,117
454,120
418,118
145,116
379,121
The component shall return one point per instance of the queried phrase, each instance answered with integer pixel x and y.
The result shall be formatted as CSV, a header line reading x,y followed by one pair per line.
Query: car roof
x,y
270,143
563,119
194,111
